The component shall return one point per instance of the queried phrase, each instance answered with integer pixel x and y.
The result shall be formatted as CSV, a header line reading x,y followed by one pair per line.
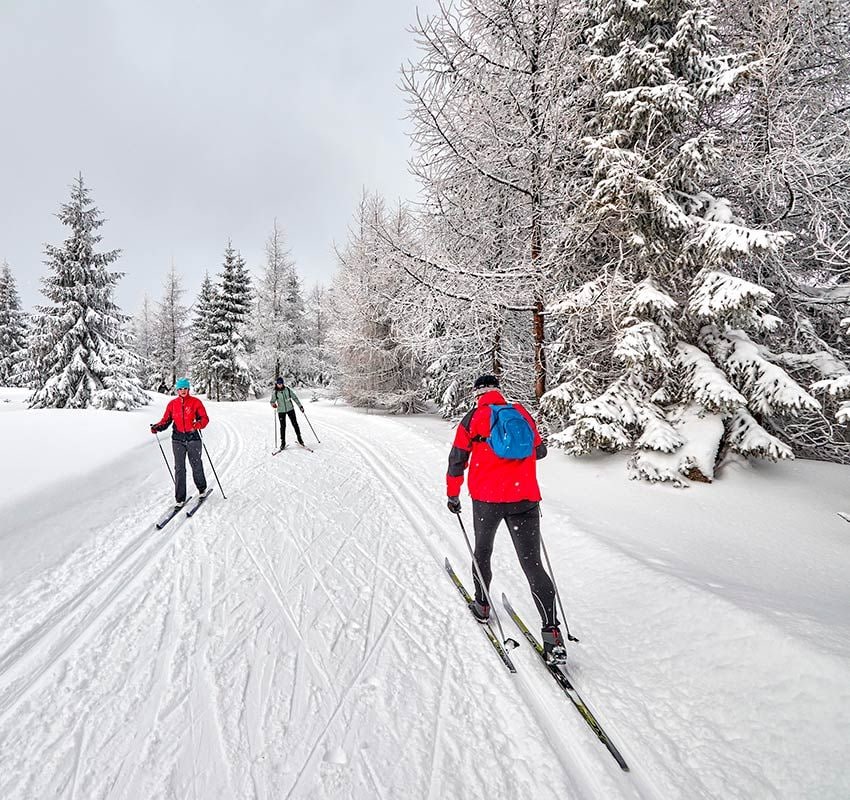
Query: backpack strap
x,y
478,437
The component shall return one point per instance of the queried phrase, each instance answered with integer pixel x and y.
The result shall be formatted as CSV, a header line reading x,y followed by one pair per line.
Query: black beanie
x,y
485,381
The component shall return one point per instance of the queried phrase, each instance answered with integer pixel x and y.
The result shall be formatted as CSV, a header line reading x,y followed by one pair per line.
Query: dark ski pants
x,y
523,521
181,449
282,418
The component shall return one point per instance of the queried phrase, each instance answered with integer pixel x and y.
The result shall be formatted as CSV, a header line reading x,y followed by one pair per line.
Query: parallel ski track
x,y
67,625
25,663
374,638
572,758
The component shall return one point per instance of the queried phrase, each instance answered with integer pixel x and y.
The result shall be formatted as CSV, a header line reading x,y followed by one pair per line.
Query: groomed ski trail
x,y
302,640
569,742
286,642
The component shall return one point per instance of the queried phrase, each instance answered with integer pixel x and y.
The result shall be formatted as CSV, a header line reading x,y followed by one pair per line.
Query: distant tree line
x,y
79,350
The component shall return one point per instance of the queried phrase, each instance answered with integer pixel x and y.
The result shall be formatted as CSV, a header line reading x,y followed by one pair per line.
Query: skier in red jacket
x,y
187,415
503,489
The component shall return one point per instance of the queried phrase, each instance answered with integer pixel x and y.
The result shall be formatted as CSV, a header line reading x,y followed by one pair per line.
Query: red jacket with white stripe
x,y
491,478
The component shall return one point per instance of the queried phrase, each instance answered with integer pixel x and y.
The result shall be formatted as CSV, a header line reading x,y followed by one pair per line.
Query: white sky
x,y
193,122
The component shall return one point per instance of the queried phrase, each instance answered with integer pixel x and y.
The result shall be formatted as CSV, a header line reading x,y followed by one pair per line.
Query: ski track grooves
x,y
286,613
26,650
31,657
95,604
569,754
341,701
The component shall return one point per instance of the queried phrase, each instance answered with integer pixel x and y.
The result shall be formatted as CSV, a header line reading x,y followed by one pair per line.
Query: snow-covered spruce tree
x,y
279,325
81,352
201,338
665,348
492,102
143,345
171,331
787,160
230,338
367,298
13,330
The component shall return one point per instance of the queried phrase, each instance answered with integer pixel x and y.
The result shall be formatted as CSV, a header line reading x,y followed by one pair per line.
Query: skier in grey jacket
x,y
285,400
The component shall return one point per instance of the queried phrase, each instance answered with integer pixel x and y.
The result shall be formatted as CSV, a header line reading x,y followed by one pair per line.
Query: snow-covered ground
x,y
301,639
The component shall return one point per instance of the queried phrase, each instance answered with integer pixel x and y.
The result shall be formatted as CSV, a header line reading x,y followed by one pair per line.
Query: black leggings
x,y
523,521
282,417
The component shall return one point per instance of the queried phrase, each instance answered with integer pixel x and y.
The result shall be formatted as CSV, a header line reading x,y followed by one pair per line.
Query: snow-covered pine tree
x,y
229,336
369,295
80,353
143,345
171,331
201,336
664,347
13,330
279,325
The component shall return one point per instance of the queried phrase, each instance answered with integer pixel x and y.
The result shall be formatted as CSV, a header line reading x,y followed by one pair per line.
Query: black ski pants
x,y
294,421
523,521
192,449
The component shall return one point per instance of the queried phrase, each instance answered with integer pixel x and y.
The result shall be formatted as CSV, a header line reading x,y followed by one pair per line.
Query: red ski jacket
x,y
187,413
492,479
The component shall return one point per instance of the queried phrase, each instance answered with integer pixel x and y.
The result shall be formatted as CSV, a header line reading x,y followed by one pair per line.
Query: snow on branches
x,y
230,340
682,373
13,330
79,354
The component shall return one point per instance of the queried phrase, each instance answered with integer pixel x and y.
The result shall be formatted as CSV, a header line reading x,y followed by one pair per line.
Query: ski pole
x,y
275,428
507,641
311,425
212,465
570,637
164,458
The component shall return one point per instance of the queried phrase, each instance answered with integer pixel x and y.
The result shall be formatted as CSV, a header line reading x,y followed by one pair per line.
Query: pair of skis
x,y
190,507
281,449
557,671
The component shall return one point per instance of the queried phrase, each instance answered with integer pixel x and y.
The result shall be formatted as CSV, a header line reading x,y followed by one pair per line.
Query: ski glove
x,y
155,428
453,504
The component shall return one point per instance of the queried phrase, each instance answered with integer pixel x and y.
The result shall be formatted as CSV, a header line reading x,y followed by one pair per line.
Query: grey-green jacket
x,y
285,398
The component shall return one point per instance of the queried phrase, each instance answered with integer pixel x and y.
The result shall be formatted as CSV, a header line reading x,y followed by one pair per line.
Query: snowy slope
x,y
301,640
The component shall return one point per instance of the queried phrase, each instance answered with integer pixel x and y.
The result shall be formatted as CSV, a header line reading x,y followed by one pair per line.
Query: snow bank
x,y
61,472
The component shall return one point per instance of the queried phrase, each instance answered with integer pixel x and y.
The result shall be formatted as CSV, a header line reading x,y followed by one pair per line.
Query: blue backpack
x,y
511,436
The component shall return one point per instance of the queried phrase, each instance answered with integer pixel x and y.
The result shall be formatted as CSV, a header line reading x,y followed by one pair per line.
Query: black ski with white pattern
x,y
491,636
559,673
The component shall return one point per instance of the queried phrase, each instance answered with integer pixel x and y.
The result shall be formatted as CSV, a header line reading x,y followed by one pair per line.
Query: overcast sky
x,y
195,122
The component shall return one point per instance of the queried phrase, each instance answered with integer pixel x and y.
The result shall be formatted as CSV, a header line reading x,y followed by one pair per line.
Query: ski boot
x,y
553,645
481,611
